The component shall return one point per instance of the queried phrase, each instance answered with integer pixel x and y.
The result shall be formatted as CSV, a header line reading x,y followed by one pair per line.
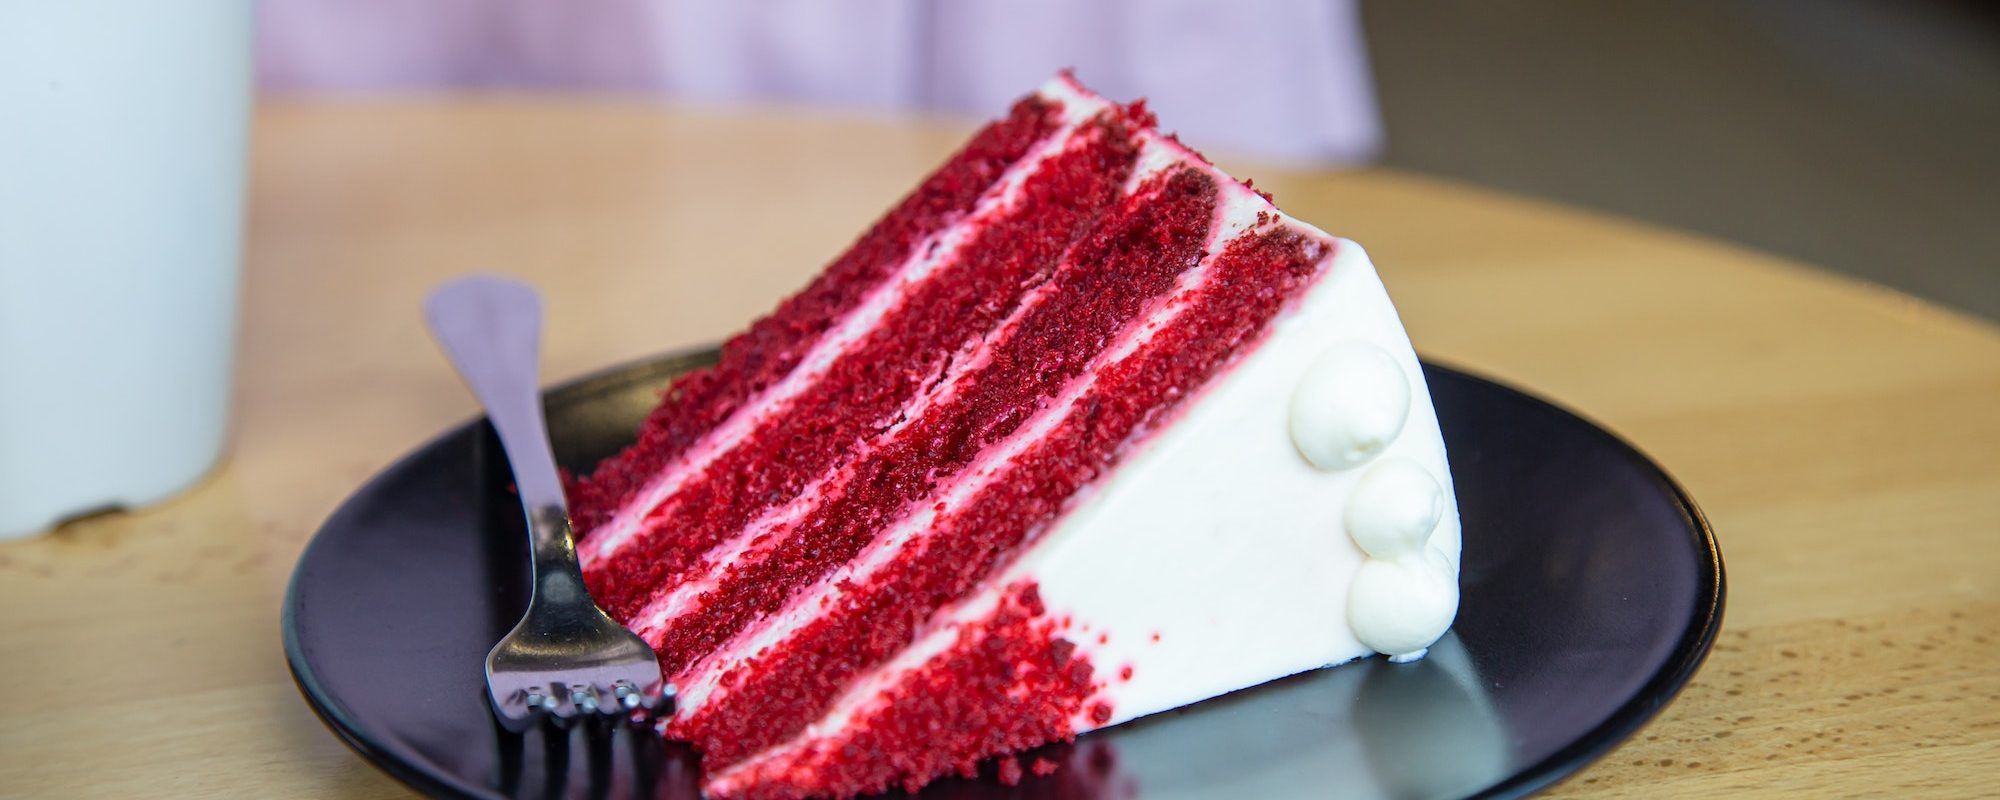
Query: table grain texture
x,y
1843,439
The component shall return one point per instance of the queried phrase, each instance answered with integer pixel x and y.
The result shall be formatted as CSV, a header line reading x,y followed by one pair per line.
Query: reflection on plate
x,y
1591,590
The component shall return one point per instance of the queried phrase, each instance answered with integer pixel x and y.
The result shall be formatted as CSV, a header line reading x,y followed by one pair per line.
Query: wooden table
x,y
1845,440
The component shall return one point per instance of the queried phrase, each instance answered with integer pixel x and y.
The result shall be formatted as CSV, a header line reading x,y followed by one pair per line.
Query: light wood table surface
x,y
1843,439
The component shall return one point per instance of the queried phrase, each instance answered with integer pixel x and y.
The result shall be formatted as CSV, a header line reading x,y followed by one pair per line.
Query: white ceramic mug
x,y
124,127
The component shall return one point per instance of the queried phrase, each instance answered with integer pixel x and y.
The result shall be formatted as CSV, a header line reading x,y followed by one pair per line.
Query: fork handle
x,y
491,328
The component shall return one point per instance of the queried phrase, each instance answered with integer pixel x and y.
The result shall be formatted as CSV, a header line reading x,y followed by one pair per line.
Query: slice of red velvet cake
x,y
1083,430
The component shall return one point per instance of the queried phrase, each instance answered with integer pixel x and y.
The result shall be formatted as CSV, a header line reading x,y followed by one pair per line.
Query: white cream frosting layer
x,y
925,260
652,620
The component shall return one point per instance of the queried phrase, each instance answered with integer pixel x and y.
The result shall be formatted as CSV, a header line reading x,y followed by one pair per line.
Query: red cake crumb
x,y
1140,115
1125,672
1007,684
1043,766
1008,771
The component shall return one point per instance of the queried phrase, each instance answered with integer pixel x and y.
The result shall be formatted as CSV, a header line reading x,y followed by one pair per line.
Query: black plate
x,y
1592,589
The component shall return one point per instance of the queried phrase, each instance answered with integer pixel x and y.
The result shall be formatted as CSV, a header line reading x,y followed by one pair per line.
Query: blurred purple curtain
x,y
1278,79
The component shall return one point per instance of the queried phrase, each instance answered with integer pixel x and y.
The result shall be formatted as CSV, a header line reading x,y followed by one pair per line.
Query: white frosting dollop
x,y
1350,404
1405,594
1401,606
1393,509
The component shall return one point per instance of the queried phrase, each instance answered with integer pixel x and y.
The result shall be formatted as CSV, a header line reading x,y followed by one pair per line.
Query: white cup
x,y
124,127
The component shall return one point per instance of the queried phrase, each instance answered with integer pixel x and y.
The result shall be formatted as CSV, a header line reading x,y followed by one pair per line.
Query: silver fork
x,y
565,660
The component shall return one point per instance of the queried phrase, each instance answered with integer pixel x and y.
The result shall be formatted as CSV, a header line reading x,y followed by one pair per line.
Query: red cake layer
x,y
755,359
1133,258
860,393
1008,684
1130,258
778,693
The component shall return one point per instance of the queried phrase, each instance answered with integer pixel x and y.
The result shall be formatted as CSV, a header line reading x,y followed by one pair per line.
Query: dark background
x,y
1858,135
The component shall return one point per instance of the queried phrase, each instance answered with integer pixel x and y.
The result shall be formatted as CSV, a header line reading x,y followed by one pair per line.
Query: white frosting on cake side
x,y
1215,557
1220,537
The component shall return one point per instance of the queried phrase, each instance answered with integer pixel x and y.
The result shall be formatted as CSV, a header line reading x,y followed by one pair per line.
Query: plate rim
x,y
1688,653
1646,703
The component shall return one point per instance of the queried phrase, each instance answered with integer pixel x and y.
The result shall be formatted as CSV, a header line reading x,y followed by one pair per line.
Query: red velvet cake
x,y
1082,430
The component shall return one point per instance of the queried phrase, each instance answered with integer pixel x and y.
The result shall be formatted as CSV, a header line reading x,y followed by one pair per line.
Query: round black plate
x,y
1592,590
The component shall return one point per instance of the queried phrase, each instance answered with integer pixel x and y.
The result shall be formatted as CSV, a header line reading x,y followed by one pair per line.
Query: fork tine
x,y
584,697
652,704
598,746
